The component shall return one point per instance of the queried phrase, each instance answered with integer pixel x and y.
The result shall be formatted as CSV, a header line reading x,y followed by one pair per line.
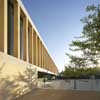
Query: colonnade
x,y
33,49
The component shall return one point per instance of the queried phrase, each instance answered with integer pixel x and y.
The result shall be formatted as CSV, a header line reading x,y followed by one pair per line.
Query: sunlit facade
x,y
19,37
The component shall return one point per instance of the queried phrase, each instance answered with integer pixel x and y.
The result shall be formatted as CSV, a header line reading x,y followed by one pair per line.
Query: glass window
x,y
10,27
21,38
29,38
29,42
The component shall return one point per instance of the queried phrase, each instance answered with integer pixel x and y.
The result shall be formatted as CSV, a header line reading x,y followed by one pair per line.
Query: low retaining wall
x,y
87,84
77,84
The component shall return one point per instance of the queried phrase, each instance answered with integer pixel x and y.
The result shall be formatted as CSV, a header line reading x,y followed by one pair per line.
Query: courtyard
x,y
51,94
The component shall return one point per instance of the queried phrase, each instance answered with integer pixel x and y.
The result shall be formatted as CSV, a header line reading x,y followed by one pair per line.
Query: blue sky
x,y
58,22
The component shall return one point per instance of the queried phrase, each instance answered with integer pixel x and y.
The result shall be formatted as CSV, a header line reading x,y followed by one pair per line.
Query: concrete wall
x,y
88,84
11,66
81,84
13,69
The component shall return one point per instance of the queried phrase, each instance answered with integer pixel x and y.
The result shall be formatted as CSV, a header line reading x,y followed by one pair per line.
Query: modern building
x,y
20,42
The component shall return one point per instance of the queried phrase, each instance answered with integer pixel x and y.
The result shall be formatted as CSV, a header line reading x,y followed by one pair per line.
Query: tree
x,y
76,61
89,41
80,72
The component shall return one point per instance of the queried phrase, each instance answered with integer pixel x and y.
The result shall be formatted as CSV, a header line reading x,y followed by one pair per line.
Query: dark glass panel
x,y
10,27
21,38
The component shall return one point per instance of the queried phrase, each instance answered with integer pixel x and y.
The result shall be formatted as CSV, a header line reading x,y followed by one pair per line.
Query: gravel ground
x,y
51,94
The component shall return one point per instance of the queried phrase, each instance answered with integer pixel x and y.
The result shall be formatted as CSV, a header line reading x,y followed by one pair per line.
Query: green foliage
x,y
88,44
76,61
71,72
89,41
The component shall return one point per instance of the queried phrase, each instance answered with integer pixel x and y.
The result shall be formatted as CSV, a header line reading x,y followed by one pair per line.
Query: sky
x,y
58,22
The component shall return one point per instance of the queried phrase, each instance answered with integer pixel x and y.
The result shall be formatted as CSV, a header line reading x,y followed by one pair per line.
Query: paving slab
x,y
52,94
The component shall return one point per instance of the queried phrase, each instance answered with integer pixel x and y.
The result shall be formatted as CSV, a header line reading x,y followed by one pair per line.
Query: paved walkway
x,y
50,94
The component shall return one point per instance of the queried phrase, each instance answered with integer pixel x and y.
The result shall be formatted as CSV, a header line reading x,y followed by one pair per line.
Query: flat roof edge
x,y
32,23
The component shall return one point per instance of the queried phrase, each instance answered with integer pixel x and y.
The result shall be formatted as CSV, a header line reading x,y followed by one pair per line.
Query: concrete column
x,y
32,49
49,64
47,61
16,30
53,65
3,25
41,53
25,32
36,50
44,58
30,42
27,55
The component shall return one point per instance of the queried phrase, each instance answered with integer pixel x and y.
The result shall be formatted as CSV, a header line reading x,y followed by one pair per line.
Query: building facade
x,y
20,39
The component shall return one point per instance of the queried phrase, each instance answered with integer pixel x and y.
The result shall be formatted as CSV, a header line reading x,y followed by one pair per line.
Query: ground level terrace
x,y
51,94
19,37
